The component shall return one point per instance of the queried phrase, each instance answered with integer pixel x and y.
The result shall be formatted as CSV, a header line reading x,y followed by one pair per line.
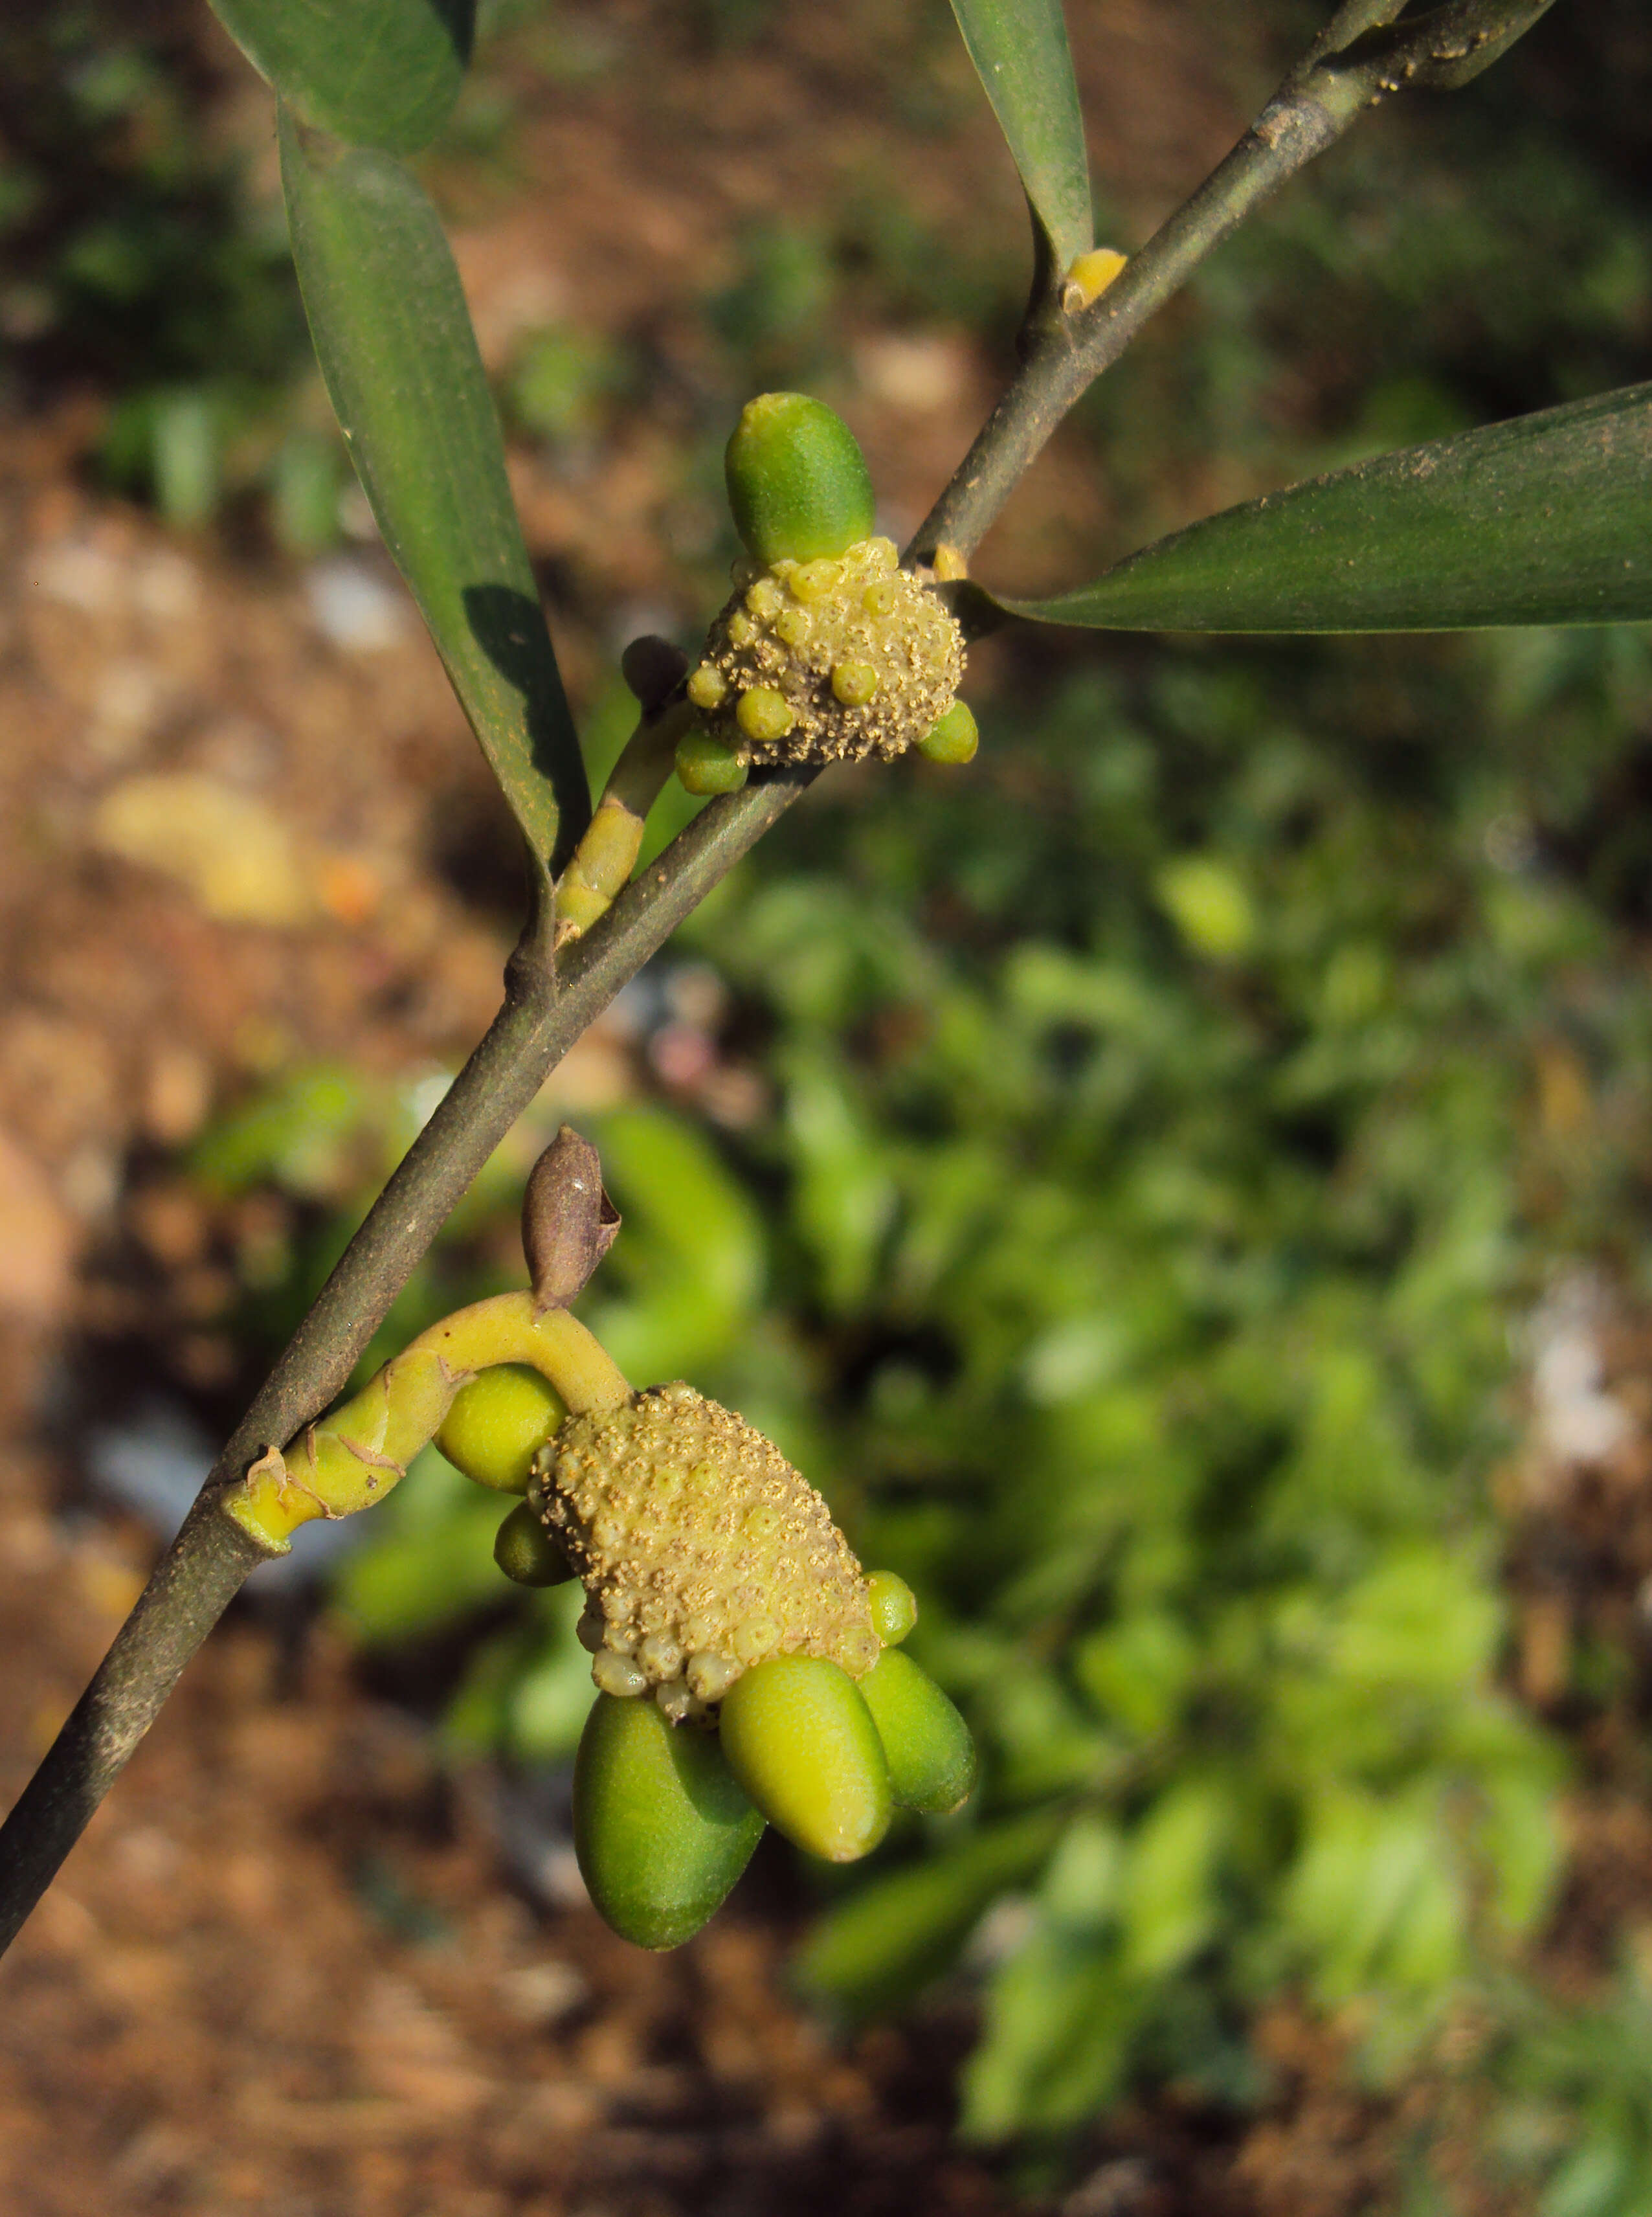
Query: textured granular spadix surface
x,y
701,1547
829,660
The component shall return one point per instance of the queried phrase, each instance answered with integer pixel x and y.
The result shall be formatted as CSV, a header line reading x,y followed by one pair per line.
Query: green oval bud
x,y
853,683
764,714
952,737
801,1741
707,686
931,1755
525,1551
705,765
498,1423
894,1607
798,481
660,1828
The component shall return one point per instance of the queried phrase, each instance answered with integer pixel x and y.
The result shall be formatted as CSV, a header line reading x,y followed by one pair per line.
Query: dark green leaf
x,y
378,72
394,340
1545,520
1019,48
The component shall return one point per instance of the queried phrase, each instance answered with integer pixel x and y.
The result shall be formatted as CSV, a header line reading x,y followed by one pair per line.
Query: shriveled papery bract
x,y
702,1550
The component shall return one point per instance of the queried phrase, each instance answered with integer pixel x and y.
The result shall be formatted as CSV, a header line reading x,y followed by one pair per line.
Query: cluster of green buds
x,y
828,650
748,1670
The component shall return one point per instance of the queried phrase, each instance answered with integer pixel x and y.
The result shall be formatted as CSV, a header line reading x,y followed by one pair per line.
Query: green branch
x,y
544,1012
1355,63
550,1000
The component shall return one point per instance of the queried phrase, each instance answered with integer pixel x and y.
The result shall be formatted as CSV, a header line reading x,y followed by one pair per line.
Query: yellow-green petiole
x,y
352,1458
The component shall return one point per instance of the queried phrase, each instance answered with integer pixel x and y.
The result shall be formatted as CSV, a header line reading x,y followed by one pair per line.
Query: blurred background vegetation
x,y
1138,1178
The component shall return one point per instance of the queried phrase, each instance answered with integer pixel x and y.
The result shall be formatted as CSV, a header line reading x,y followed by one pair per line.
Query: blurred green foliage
x,y
139,269
1157,1168
1571,2098
1159,1201
1450,263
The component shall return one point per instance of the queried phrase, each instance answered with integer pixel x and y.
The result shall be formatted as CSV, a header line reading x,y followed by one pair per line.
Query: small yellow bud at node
x,y
707,687
1089,277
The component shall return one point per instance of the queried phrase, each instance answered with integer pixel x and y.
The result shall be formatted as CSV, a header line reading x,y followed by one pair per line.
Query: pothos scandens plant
x,y
720,1594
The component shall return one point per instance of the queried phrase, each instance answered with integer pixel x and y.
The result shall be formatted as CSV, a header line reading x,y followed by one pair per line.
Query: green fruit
x,y
798,481
931,1755
525,1551
705,765
498,1423
894,1606
660,1828
801,1742
952,737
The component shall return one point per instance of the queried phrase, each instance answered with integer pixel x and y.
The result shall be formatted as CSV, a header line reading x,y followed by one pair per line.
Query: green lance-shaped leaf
x,y
1544,520
393,336
379,73
1020,49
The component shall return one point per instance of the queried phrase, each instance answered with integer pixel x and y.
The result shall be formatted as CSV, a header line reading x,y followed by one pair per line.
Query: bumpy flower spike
x,y
719,1592
829,650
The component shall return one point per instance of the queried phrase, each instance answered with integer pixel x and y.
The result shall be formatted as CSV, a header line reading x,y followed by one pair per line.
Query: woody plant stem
x,y
552,997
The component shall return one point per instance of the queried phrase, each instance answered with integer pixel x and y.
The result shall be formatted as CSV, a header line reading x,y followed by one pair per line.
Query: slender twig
x,y
544,1014
1440,51
1350,21
606,854
1066,353
1355,63
550,1000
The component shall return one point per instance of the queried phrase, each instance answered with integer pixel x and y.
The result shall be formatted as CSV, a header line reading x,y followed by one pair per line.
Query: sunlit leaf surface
x,y
1544,519
394,340
378,72
1019,48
